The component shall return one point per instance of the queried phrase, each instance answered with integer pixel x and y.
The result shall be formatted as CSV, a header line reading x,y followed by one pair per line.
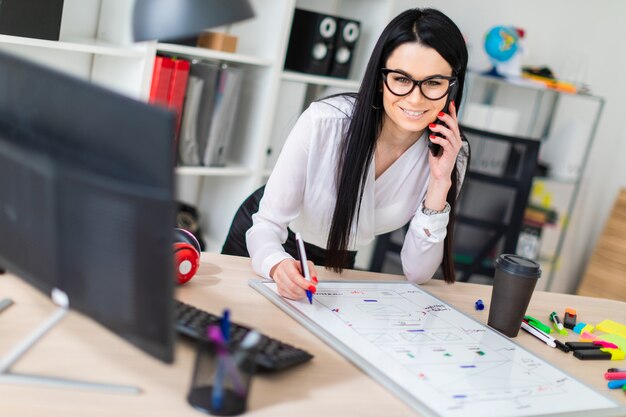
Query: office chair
x,y
235,243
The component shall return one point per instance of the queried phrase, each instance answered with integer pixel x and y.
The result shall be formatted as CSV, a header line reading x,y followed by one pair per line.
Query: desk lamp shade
x,y
176,19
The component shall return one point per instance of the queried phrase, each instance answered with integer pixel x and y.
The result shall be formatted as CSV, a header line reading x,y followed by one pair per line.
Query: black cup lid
x,y
518,265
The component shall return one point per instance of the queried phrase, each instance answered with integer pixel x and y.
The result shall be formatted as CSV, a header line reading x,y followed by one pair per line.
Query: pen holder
x,y
221,379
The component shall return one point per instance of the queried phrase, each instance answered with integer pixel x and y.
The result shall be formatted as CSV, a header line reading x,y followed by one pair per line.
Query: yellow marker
x,y
616,354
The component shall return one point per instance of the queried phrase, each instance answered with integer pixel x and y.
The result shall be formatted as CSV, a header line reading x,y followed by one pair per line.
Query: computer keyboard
x,y
273,355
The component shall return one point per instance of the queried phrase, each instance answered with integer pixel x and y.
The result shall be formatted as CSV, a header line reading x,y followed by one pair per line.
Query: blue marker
x,y
617,384
304,264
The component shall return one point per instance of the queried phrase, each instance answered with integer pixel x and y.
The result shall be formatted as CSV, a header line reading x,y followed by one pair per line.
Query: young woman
x,y
358,165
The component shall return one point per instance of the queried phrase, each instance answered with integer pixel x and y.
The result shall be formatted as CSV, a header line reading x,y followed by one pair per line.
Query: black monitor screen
x,y
86,199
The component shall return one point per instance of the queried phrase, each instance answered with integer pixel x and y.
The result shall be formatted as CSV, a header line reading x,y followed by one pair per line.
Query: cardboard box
x,y
218,41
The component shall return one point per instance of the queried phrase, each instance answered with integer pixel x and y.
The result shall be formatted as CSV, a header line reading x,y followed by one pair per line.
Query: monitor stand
x,y
6,376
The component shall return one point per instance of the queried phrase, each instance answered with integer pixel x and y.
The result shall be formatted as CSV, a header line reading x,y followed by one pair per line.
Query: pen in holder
x,y
223,373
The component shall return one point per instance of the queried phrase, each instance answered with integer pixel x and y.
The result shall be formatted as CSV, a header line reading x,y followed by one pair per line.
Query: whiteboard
x,y
438,360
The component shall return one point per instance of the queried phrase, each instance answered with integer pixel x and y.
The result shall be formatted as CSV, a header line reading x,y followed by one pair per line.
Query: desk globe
x,y
503,46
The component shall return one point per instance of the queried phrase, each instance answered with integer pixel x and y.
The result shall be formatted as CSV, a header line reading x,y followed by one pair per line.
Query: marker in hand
x,y
304,264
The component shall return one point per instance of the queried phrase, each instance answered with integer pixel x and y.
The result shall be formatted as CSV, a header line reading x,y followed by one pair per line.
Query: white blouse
x,y
301,193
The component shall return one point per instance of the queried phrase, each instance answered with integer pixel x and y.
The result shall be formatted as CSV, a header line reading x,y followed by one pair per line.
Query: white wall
x,y
576,38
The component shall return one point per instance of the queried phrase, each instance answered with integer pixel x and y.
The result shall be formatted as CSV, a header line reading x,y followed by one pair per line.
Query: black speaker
x,y
31,18
348,33
311,42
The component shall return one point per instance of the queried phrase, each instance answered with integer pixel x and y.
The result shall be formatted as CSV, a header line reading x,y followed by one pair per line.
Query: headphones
x,y
186,255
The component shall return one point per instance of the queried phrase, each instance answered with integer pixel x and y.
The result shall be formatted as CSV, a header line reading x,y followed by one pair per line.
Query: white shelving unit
x,y
564,123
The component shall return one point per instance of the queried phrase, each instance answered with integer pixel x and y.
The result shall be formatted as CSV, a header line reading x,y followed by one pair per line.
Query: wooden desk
x,y
328,386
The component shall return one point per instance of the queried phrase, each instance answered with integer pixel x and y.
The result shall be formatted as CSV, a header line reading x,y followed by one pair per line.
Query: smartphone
x,y
435,149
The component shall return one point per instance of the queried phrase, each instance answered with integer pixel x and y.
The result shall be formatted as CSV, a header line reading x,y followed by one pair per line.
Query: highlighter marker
x,y
569,320
594,354
557,323
604,344
582,345
562,346
603,353
538,325
616,370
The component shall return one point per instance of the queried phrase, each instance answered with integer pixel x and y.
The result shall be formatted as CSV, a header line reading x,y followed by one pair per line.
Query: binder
x,y
226,102
161,78
198,112
177,87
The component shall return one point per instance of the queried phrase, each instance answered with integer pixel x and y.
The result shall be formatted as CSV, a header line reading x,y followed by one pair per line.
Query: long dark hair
x,y
431,28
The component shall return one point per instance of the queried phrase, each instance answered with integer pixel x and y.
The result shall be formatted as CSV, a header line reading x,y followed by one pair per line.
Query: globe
x,y
501,43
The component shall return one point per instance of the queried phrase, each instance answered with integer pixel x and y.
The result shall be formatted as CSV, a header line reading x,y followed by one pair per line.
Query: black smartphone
x,y
435,149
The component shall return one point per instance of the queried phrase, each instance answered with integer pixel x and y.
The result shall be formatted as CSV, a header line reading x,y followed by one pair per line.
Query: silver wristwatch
x,y
430,212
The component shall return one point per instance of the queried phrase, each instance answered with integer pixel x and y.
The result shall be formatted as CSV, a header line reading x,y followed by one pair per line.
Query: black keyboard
x,y
273,355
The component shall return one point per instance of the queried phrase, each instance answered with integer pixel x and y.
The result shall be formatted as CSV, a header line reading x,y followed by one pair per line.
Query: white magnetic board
x,y
437,359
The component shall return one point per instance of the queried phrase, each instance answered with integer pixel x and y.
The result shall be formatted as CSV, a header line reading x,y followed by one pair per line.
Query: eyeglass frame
x,y
453,80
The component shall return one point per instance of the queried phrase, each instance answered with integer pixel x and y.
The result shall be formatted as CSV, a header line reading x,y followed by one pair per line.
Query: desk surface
x,y
328,385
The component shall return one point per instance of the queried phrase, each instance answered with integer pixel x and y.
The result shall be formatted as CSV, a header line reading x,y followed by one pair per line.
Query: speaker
x,y
348,33
186,255
311,42
39,19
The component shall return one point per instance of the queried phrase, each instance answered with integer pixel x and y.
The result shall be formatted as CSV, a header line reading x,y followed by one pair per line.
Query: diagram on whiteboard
x,y
436,358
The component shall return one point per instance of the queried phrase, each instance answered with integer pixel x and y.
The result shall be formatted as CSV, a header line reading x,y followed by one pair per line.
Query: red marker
x,y
615,375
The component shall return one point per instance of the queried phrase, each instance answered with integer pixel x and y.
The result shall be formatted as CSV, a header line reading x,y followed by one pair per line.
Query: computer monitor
x,y
86,200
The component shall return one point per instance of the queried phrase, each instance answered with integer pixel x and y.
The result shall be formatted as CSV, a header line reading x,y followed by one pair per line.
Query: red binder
x,y
177,88
161,79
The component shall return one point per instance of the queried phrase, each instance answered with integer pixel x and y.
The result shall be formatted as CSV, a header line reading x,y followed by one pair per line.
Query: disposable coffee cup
x,y
513,286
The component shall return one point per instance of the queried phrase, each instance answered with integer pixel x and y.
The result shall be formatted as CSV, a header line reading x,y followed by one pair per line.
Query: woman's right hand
x,y
290,280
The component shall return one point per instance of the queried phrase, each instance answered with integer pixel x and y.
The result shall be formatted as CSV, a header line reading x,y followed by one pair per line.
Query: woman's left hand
x,y
441,166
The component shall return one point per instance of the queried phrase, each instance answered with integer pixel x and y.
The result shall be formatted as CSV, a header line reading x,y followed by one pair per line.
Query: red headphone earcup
x,y
186,261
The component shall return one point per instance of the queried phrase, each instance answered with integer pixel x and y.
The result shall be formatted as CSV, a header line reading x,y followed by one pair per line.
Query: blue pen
x,y
304,264
225,325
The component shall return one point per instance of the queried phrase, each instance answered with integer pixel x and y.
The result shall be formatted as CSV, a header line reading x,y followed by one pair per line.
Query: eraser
x,y
578,328
589,328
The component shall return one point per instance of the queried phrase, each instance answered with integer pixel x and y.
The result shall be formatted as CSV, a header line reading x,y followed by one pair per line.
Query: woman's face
x,y
410,114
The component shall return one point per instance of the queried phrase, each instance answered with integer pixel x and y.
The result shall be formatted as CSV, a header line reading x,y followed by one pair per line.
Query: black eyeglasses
x,y
402,84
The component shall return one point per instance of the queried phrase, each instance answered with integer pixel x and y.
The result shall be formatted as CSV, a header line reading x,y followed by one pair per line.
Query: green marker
x,y
557,323
538,325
